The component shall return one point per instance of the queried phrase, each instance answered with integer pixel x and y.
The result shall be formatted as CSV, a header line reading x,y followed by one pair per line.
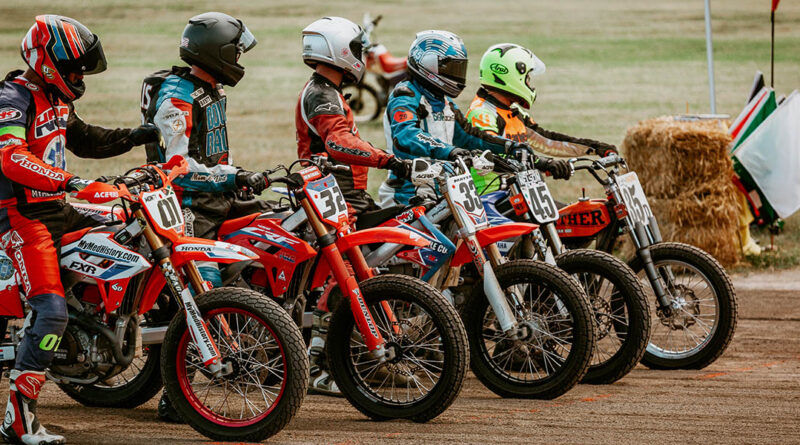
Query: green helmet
x,y
510,68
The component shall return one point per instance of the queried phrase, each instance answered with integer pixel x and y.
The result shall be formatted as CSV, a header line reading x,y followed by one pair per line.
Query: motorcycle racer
x,y
37,123
188,105
422,120
507,71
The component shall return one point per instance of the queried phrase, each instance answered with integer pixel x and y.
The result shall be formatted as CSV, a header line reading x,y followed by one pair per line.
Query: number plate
x,y
633,197
461,189
163,207
328,200
537,195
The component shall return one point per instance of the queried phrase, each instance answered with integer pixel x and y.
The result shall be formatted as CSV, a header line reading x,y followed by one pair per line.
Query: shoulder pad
x,y
403,90
15,100
321,99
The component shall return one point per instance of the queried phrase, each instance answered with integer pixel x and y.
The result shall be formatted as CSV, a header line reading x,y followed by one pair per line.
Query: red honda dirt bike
x,y
529,323
693,297
232,361
396,347
384,71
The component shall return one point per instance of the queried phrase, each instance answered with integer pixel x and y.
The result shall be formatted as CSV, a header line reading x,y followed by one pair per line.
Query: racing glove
x,y
602,149
144,134
255,181
559,168
400,167
76,184
457,153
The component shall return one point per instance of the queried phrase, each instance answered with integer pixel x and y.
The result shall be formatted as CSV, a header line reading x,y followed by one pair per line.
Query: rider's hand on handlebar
x,y
144,134
400,167
457,153
255,181
76,184
602,149
558,168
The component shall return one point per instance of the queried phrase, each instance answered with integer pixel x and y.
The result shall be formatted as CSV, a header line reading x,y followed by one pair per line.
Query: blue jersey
x,y
419,124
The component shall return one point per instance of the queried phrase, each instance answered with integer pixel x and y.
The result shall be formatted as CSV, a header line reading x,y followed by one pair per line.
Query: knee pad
x,y
211,274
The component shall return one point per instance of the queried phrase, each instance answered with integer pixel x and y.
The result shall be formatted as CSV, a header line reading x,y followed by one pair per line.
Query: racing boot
x,y
21,425
319,380
166,411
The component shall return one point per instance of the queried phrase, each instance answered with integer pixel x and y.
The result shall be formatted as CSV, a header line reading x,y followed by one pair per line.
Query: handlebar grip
x,y
610,160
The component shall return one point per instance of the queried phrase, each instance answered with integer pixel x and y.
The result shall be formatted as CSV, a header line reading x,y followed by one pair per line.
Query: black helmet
x,y
214,41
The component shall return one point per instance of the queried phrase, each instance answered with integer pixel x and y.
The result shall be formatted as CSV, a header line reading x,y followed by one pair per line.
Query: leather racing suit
x,y
325,124
34,215
417,123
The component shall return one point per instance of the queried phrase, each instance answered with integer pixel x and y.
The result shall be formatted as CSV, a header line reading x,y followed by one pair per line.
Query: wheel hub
x,y
683,308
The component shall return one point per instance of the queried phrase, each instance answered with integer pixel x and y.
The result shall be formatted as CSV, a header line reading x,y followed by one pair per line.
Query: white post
x,y
710,53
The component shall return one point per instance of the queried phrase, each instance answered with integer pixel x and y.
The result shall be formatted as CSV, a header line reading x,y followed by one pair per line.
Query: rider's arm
x,y
17,162
558,144
473,138
324,115
174,119
91,141
408,138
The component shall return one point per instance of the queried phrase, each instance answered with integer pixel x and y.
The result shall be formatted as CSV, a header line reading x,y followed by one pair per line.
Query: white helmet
x,y
335,41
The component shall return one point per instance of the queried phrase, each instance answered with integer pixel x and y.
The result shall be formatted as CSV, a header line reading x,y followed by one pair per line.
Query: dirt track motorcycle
x,y
396,348
233,362
383,70
620,307
529,324
693,297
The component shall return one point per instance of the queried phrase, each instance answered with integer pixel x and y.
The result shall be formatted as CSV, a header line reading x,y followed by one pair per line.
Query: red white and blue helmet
x,y
438,60
56,46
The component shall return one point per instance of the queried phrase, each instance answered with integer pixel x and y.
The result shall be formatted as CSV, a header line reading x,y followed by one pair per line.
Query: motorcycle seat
x,y
391,64
374,218
233,225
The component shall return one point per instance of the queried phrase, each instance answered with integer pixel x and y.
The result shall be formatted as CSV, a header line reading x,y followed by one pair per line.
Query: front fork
x,y
491,287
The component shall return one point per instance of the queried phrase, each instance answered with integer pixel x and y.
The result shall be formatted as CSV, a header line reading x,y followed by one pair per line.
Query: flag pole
x,y
710,53
772,51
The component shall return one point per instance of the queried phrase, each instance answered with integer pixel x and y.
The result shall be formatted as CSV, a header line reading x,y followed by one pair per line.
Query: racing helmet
x,y
56,46
214,42
510,68
337,42
438,60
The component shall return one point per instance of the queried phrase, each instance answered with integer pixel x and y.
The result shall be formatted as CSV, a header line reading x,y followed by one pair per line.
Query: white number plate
x,y
461,189
328,200
162,205
633,197
537,195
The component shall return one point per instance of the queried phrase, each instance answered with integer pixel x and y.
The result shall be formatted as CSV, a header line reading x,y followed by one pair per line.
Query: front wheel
x,y
703,313
428,341
621,312
552,348
265,367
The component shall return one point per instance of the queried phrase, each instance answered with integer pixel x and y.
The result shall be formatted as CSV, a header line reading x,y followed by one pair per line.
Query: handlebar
x,y
595,165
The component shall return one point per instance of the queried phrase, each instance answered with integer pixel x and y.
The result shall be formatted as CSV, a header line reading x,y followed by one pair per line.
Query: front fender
x,y
491,235
381,235
188,249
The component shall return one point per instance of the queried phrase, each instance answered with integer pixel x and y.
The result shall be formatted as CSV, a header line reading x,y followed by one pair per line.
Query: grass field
x,y
610,63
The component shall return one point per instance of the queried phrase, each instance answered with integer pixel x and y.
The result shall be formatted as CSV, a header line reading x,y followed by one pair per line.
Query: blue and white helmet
x,y
438,59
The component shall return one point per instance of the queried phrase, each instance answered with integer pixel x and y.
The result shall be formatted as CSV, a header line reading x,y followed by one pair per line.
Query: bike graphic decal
x,y
461,189
90,256
328,200
537,195
634,198
164,208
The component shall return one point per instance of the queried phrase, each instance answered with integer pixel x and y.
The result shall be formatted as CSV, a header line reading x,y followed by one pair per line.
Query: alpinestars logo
x,y
27,164
327,107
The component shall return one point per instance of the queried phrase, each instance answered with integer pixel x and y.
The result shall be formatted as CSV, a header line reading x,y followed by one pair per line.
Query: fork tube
x,y
363,318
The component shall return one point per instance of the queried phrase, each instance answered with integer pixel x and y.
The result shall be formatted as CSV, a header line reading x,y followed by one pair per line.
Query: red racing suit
x,y
325,124
33,212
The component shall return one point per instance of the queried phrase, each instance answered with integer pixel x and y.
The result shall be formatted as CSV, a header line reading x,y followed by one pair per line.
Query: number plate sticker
x,y
461,189
537,196
163,207
328,200
633,197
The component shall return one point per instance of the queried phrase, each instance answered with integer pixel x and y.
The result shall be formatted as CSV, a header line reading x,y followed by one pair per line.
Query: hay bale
x,y
686,173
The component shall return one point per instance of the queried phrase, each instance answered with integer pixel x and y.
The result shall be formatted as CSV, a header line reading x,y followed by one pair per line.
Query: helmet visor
x,y
93,61
246,40
453,68
529,84
357,46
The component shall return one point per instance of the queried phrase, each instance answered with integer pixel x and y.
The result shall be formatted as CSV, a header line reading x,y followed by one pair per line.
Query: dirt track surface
x,y
752,394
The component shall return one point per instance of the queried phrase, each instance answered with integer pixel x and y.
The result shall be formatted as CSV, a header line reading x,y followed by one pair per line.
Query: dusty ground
x,y
752,394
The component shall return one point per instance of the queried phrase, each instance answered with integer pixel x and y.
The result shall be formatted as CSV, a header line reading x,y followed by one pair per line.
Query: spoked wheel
x,y
428,341
621,312
702,319
265,368
553,346
363,101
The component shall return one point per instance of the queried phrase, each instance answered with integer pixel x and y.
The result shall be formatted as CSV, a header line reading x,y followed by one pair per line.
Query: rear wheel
x,y
429,342
703,308
363,101
556,334
265,366
621,312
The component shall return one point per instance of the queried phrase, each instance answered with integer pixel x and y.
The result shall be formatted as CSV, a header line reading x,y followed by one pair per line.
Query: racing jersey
x,y
34,134
325,124
419,124
190,113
